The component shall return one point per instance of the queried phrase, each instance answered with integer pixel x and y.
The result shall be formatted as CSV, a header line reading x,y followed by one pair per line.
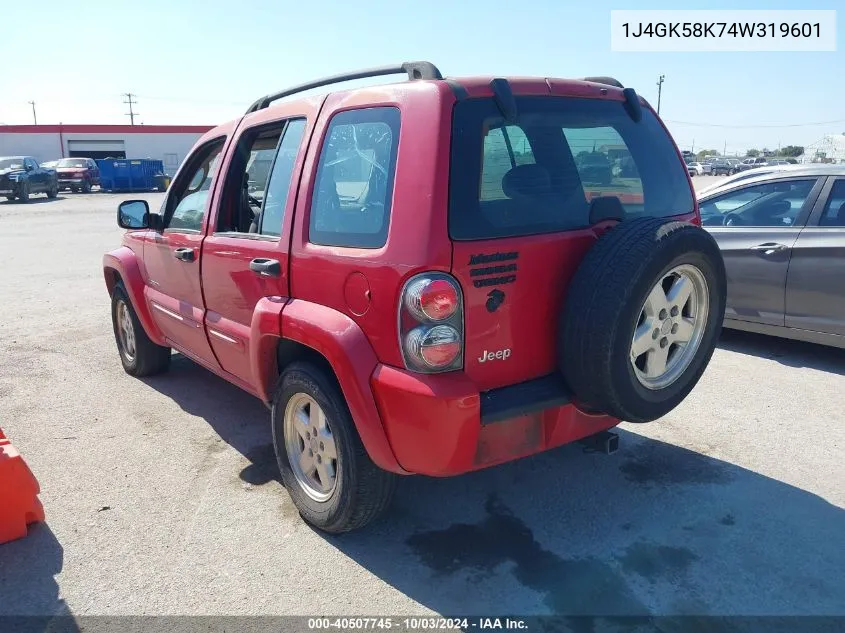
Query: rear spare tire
x,y
641,318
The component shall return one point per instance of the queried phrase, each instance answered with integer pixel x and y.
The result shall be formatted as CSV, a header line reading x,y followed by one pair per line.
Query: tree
x,y
706,152
752,153
792,150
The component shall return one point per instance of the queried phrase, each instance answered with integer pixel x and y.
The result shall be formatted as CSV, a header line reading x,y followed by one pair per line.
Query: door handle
x,y
266,267
184,254
769,248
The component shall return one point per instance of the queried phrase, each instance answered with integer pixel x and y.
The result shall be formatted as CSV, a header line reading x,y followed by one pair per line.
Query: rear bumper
x,y
440,425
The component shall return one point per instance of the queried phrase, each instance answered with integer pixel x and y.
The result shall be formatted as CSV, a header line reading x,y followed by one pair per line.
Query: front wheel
x,y
332,481
86,187
23,195
53,191
138,354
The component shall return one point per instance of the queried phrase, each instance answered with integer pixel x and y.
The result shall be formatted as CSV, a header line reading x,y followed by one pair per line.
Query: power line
x,y
768,126
131,114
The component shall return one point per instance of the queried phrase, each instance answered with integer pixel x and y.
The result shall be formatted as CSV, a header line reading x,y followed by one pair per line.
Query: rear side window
x,y
541,173
352,196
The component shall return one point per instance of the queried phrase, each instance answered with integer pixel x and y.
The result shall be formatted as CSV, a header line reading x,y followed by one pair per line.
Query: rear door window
x,y
354,188
541,172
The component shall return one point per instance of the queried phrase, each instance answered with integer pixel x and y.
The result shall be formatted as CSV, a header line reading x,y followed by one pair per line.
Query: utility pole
x,y
34,118
131,114
725,148
659,91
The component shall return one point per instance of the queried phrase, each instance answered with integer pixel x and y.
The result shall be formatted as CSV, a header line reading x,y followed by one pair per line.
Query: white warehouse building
x,y
167,143
828,149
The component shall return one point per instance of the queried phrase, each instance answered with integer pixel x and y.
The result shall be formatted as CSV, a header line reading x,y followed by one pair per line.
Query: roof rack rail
x,y
414,70
608,81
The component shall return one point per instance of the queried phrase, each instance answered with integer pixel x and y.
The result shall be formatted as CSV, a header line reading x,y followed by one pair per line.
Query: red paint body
x,y
342,302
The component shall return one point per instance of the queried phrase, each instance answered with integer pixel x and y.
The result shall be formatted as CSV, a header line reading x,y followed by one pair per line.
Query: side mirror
x,y
133,214
29,167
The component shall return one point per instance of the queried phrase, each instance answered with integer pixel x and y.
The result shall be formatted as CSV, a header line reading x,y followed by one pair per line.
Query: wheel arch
x,y
334,342
121,266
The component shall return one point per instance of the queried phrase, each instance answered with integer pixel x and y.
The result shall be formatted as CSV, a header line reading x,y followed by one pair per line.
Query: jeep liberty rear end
x,y
427,277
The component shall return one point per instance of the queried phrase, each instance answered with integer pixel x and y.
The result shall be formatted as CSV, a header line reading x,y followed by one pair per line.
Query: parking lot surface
x,y
162,494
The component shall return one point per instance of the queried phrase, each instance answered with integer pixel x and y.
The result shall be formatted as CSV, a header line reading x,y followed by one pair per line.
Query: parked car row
x,y
22,176
718,166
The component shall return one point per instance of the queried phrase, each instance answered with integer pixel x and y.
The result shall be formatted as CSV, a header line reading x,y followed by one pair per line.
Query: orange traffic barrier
x,y
19,504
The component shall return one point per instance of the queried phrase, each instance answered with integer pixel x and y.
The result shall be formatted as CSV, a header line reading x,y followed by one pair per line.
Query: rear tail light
x,y
431,328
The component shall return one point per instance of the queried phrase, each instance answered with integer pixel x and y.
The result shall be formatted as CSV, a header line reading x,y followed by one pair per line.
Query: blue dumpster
x,y
132,174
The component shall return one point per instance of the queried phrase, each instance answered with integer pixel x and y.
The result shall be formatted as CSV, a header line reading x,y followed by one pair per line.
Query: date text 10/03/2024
x,y
416,624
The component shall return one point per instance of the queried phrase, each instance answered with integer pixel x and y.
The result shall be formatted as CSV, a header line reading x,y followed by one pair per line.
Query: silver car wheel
x,y
670,327
126,331
310,447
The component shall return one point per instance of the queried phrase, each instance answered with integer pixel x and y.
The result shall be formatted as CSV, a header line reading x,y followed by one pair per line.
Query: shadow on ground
x,y
34,199
654,529
28,568
785,351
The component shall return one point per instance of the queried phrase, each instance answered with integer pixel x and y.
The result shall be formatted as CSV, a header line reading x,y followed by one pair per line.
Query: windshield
x,y
72,162
542,172
11,163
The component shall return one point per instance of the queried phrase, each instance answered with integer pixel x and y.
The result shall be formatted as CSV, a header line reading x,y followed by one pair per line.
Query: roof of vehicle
x,y
773,173
13,157
465,86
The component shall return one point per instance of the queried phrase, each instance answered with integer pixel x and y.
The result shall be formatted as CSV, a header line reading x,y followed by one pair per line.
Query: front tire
x,y
86,187
53,191
138,354
331,479
23,195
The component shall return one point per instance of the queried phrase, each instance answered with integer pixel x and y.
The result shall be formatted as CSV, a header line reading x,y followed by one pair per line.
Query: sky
x,y
204,61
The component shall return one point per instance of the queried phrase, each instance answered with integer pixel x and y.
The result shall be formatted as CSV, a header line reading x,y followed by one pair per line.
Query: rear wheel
x,y
642,317
10,198
332,481
138,354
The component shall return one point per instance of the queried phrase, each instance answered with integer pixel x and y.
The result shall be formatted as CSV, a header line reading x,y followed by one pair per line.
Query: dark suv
x,y
725,167
426,280
22,176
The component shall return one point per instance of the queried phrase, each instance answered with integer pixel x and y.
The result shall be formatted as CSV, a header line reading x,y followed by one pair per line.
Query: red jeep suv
x,y
426,277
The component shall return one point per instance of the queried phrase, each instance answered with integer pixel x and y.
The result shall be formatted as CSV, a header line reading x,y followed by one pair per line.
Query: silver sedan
x,y
782,236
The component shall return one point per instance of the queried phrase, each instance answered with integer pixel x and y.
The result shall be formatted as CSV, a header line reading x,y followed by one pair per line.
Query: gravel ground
x,y
162,494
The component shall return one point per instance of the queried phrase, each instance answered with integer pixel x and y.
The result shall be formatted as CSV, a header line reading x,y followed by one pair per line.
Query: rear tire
x,y
138,354
355,491
53,191
654,280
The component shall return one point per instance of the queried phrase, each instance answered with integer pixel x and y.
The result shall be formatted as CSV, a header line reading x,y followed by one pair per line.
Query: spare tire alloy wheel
x,y
641,318
670,327
310,447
